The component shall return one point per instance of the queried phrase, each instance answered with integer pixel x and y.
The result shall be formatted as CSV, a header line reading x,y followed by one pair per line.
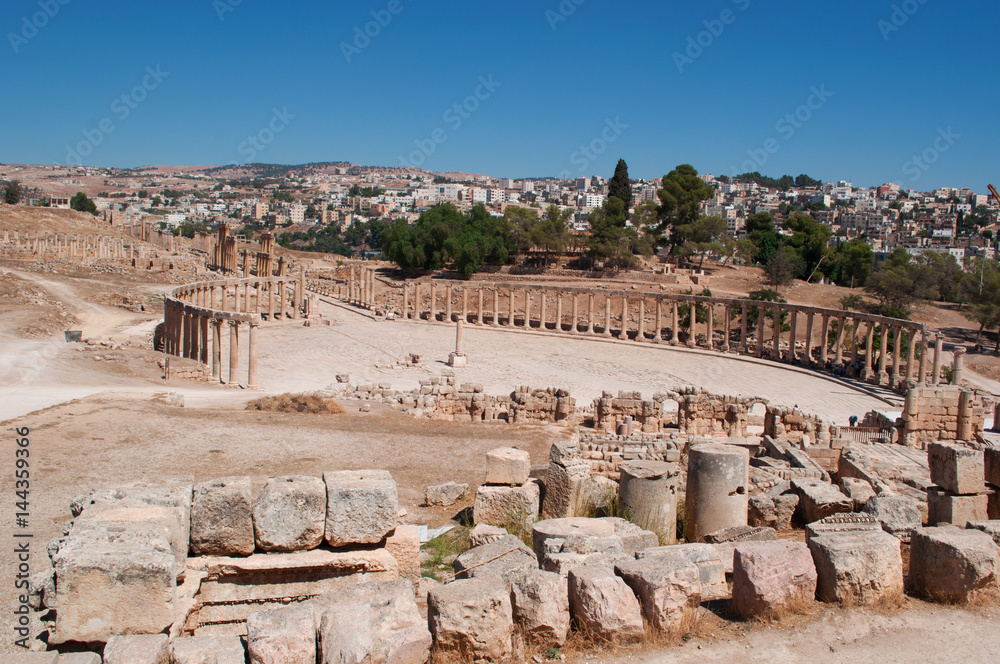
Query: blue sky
x,y
542,88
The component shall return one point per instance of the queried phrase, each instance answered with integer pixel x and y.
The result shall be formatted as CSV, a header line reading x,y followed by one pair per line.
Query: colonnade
x,y
808,336
69,245
359,289
194,317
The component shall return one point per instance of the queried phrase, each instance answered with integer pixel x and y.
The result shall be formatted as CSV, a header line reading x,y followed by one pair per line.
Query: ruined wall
x,y
940,413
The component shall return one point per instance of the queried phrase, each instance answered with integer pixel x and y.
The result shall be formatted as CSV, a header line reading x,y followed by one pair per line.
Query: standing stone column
x,y
640,334
433,302
406,301
647,496
559,311
203,338
447,305
281,299
868,352
840,341
710,341
744,341
576,314
216,349
590,312
958,366
252,356
938,358
855,324
728,326
607,315
924,358
496,306
675,337
824,353
883,377
810,322
791,357
527,308
236,299
234,352
479,314
658,334
510,307
270,300
350,287
776,335
417,311
717,489
911,358
246,297
541,310
897,348
692,319
465,303
761,320
623,333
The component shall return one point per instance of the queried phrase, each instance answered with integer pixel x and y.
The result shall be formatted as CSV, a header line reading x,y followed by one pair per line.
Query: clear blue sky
x,y
607,68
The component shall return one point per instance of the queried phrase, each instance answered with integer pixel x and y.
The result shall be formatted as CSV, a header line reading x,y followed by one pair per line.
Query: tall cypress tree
x,y
619,187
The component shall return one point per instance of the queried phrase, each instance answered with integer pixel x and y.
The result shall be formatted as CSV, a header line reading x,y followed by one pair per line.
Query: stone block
x,y
444,495
766,511
540,604
507,465
946,507
221,518
74,658
501,558
560,529
35,658
898,515
956,468
857,490
156,520
717,489
991,528
484,534
858,568
741,534
634,538
991,459
603,605
473,619
647,496
771,576
404,545
362,506
712,569
845,522
667,586
138,649
507,506
289,514
820,499
564,486
282,636
209,649
110,582
949,564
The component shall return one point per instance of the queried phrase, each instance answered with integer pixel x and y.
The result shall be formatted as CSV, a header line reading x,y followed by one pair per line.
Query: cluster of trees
x,y
82,203
330,240
784,183
12,192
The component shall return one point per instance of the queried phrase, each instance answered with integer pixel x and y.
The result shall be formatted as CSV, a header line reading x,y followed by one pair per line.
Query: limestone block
x,y
209,649
372,621
540,604
857,568
501,558
742,534
991,528
949,564
110,582
282,636
667,587
766,511
634,538
168,492
362,506
712,569
819,499
898,515
221,518
404,545
857,490
560,529
603,605
72,658
472,618
770,575
159,521
484,534
138,649
507,506
564,486
586,545
717,489
37,658
946,507
289,514
956,468
444,495
647,496
845,522
507,465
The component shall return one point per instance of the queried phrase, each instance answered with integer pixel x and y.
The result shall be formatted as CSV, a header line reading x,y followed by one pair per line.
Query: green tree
x,y
809,240
608,243
853,264
780,270
82,203
680,203
703,237
981,288
620,187
12,192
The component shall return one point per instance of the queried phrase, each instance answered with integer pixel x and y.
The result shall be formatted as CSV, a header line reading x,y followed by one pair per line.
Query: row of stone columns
x,y
361,287
274,298
191,335
666,313
69,245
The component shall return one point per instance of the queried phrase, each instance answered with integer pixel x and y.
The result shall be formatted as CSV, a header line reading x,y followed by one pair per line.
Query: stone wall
x,y
941,413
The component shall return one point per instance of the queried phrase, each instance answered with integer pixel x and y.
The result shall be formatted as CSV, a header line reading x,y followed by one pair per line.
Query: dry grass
x,y
297,403
790,613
